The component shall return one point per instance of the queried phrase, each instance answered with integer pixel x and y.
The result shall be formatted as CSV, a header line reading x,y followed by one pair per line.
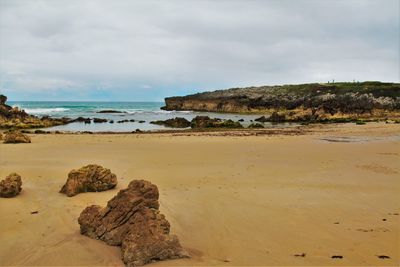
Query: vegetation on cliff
x,y
298,102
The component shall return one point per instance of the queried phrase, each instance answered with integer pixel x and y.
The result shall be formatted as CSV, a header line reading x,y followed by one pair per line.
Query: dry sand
x,y
232,200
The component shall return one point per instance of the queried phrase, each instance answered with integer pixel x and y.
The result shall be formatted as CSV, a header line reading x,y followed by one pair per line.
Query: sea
x,y
138,111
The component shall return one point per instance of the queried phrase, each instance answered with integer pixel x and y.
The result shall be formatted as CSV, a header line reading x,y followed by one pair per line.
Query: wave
x,y
44,110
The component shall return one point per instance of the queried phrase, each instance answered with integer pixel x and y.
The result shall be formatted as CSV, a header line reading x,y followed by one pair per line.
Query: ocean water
x,y
138,111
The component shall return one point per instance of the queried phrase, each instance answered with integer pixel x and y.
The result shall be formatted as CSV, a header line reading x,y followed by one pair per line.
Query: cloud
x,y
151,49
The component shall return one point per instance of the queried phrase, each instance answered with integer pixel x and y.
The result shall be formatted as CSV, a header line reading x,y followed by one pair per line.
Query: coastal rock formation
x,y
132,220
174,123
99,120
82,119
332,100
256,125
14,137
10,186
13,117
207,122
276,117
90,178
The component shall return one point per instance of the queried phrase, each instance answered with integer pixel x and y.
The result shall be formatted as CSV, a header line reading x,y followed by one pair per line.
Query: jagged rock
x,y
90,178
82,119
10,186
261,119
122,121
98,120
13,117
15,137
132,220
276,117
207,122
174,123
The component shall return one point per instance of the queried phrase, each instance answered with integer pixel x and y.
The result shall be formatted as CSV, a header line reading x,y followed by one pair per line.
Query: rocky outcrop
x,y
13,117
132,220
14,137
99,120
368,99
90,178
174,123
207,122
82,119
10,186
255,125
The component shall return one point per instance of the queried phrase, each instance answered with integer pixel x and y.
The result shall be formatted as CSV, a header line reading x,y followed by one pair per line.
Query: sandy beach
x,y
233,200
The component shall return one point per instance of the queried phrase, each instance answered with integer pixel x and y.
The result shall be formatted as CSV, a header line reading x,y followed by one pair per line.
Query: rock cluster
x,y
207,122
132,220
14,137
174,123
90,178
13,117
11,186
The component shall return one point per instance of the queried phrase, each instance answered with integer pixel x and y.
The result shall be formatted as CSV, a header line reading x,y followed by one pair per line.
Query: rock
x,y
132,220
98,120
3,99
241,120
261,119
110,111
13,117
142,121
276,117
10,186
14,137
174,123
122,121
82,119
207,122
111,121
90,178
256,125
132,120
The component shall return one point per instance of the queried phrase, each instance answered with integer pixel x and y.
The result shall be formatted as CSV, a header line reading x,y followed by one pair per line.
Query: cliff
x,y
361,99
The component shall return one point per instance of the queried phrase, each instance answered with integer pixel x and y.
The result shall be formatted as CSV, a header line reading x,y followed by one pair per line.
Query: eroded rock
x,y
207,122
15,137
132,220
90,178
10,186
177,122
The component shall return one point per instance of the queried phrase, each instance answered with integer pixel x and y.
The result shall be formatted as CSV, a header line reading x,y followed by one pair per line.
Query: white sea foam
x,y
44,110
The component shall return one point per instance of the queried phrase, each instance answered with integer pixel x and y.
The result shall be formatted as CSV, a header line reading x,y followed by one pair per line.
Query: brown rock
x,y
16,137
174,123
90,178
132,220
10,186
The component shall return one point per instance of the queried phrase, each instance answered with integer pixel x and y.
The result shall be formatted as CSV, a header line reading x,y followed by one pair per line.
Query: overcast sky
x,y
146,50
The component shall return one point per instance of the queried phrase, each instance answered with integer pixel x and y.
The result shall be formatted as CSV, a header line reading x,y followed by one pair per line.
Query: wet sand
x,y
232,200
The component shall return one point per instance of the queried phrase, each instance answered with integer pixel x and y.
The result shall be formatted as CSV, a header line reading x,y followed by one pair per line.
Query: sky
x,y
146,50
